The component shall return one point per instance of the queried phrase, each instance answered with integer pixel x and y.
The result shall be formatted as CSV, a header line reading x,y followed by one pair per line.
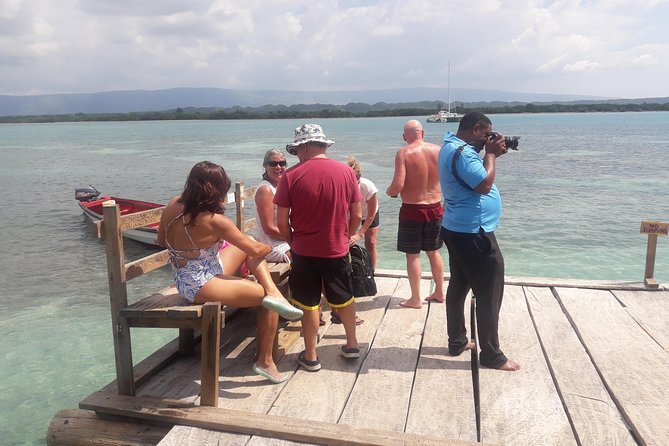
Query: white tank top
x,y
260,235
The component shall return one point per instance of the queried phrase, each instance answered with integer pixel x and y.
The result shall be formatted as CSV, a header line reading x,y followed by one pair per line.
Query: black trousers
x,y
475,263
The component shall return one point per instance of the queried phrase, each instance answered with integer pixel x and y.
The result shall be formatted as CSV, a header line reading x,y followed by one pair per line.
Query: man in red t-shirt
x,y
318,210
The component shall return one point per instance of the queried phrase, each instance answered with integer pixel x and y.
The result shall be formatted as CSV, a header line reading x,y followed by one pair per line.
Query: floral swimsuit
x,y
191,274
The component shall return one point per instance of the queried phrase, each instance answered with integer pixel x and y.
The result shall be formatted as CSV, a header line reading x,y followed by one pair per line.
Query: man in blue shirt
x,y
472,210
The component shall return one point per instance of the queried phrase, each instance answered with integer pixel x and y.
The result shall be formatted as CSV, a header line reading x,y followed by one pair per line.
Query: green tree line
x,y
318,111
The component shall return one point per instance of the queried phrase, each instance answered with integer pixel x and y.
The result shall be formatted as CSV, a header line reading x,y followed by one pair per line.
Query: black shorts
x,y
375,222
416,236
310,275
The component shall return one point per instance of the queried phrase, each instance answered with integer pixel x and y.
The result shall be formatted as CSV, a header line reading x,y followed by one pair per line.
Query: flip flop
x,y
265,374
285,309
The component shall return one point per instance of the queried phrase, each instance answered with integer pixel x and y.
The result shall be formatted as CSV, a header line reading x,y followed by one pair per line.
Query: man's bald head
x,y
413,130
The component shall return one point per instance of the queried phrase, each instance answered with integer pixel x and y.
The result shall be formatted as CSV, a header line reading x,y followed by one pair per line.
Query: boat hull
x,y
147,235
444,116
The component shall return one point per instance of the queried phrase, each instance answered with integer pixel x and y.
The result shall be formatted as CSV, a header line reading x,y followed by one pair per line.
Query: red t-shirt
x,y
318,192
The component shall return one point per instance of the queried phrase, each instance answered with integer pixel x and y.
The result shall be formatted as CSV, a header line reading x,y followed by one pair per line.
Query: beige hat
x,y
307,133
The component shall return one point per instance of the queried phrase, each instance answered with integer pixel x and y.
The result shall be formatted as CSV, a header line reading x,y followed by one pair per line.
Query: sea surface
x,y
574,196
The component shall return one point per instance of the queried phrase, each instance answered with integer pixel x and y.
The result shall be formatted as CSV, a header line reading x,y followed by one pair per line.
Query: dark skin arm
x,y
493,149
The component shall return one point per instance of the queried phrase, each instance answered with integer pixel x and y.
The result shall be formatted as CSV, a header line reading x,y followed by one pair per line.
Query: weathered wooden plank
x,y
139,219
168,296
650,309
181,379
118,298
511,402
186,435
632,365
240,388
211,342
575,283
76,427
540,281
322,395
273,426
279,271
442,402
592,412
387,374
244,392
146,264
165,322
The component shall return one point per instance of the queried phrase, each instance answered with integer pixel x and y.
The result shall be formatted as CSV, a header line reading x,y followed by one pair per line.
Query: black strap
x,y
456,155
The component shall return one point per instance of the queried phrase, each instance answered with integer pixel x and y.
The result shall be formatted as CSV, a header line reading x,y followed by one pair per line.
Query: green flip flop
x,y
285,309
266,375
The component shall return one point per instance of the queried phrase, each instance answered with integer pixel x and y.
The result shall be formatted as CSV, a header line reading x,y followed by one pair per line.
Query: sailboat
x,y
445,114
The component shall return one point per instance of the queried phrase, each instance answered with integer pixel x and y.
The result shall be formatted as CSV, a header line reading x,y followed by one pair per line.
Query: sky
x,y
609,48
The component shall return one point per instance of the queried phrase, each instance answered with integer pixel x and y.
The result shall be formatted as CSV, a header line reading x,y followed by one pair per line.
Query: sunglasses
x,y
277,163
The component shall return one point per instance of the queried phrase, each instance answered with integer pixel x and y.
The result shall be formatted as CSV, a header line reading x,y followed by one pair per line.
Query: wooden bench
x,y
165,308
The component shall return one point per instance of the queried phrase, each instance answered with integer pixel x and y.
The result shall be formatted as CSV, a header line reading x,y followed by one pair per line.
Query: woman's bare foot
x,y
411,303
510,366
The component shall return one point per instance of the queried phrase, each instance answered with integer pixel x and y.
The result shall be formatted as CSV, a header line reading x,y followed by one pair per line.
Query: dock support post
x,y
652,229
649,280
211,343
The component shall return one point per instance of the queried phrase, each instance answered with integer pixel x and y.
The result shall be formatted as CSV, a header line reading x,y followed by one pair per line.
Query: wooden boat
x,y
91,203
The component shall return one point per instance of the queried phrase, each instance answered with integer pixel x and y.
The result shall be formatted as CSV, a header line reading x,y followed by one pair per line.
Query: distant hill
x,y
158,100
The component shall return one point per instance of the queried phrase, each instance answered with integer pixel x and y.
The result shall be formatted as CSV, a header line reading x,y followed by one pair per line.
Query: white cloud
x,y
597,47
581,65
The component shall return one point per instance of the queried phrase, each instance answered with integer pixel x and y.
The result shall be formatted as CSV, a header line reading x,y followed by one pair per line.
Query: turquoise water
x,y
574,196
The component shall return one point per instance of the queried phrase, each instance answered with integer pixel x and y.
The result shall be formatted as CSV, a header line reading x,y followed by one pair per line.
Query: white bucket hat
x,y
307,133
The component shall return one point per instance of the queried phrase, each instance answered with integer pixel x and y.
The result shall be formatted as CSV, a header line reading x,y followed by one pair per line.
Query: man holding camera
x,y
472,210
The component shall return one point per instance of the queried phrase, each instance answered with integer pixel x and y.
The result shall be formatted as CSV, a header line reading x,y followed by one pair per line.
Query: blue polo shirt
x,y
466,210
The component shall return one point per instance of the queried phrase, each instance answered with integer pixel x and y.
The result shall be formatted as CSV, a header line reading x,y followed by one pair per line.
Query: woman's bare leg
x,y
233,257
260,269
268,323
371,236
232,291
243,293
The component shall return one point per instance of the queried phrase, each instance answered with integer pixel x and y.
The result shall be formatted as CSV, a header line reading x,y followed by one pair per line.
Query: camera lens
x,y
511,142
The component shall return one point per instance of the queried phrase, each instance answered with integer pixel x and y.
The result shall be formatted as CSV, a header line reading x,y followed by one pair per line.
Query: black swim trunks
x,y
310,275
419,228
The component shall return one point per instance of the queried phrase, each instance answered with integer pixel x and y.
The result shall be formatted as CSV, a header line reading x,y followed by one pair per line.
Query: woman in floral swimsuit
x,y
193,228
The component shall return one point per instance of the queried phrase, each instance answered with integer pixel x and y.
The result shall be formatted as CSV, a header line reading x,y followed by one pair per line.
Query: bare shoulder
x,y
174,200
173,207
401,152
263,192
219,220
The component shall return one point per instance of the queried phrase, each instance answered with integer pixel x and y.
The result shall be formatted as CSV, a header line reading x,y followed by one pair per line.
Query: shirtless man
x,y
416,180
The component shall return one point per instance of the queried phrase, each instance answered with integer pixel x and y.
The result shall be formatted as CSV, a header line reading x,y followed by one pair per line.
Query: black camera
x,y
510,141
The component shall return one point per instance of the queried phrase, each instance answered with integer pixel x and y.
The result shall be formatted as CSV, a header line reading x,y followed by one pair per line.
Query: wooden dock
x,y
595,371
